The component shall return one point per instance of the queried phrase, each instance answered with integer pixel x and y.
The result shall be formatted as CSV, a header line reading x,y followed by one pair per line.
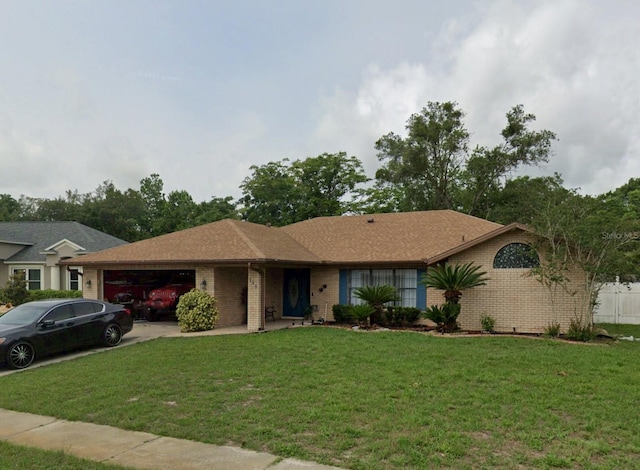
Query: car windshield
x,y
23,314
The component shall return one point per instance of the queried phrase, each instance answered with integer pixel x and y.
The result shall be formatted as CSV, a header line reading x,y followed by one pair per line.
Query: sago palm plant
x,y
376,297
452,280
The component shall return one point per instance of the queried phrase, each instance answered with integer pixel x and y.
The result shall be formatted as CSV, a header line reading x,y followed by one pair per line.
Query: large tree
x,y
522,198
114,212
218,208
151,191
280,193
432,168
9,208
426,164
488,168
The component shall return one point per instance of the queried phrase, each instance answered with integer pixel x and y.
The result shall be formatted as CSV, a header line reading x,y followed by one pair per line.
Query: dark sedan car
x,y
45,327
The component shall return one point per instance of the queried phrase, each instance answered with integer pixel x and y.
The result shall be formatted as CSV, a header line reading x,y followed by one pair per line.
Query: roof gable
x,y
64,242
477,241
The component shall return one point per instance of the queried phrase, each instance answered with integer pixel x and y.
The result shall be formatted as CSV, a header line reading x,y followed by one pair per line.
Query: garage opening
x,y
149,294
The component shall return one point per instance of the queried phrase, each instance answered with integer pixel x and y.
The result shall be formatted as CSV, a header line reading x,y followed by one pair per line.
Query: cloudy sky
x,y
198,91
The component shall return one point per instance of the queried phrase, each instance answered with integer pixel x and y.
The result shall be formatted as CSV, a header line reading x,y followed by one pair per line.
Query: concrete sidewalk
x,y
135,449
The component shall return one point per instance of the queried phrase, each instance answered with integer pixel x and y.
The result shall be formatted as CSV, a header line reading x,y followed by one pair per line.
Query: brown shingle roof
x,y
410,237
392,237
223,241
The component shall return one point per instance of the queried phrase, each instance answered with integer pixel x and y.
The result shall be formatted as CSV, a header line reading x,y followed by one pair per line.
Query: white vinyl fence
x,y
618,303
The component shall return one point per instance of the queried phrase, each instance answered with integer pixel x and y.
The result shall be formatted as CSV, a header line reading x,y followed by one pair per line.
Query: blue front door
x,y
296,292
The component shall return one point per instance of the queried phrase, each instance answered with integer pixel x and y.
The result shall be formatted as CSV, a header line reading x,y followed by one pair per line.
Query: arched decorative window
x,y
516,255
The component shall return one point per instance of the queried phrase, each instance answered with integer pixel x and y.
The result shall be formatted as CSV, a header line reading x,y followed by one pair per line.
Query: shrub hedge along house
x,y
312,265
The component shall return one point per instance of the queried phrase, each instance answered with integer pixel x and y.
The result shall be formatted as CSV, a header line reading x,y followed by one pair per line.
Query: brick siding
x,y
517,301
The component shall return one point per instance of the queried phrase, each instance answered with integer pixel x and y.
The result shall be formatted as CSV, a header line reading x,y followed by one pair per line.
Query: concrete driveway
x,y
144,331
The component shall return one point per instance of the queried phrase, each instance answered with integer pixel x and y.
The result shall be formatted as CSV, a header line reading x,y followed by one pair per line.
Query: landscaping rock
x,y
425,322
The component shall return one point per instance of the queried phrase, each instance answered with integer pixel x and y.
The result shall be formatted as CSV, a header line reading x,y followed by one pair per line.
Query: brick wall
x,y
230,283
273,290
329,296
517,301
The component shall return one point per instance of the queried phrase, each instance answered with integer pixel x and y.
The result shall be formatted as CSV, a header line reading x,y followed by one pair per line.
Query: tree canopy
x,y
432,167
281,193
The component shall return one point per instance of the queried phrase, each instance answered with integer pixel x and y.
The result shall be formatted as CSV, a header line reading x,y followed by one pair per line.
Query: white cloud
x,y
574,71
83,100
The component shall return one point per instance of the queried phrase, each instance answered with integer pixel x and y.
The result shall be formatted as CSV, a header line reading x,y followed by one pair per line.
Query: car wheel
x,y
20,355
112,335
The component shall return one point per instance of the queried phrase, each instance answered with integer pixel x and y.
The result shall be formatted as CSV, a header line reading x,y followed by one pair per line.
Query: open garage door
x,y
150,294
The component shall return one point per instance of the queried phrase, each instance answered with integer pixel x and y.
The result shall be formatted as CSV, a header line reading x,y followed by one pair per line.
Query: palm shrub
x,y
376,297
361,313
453,280
446,316
197,311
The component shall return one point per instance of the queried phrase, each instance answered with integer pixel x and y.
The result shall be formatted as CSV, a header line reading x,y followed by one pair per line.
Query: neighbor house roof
x,y
223,241
38,238
410,237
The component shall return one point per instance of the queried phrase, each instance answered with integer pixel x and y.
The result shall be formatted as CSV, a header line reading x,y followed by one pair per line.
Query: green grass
x,y
20,458
621,330
361,400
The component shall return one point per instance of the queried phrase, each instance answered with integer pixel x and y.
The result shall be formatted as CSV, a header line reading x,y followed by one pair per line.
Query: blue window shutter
x,y
343,296
421,292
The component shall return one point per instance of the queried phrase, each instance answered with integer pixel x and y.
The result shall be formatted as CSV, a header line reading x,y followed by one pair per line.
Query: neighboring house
x,y
36,249
315,264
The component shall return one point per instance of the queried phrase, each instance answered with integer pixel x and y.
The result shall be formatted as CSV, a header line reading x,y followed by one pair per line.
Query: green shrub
x,y
446,316
54,294
552,330
343,314
580,331
402,316
488,323
16,291
197,311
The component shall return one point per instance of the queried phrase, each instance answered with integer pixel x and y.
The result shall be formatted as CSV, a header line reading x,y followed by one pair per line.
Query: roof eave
x,y
81,262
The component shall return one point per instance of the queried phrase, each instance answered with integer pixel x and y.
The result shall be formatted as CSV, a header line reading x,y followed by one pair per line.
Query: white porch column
x,y
54,277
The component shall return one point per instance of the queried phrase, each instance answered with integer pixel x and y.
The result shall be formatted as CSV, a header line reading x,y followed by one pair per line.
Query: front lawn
x,y
362,400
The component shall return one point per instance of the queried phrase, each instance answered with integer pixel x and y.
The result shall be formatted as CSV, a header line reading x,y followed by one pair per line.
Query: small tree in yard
x,y
16,291
197,311
452,280
376,297
600,236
